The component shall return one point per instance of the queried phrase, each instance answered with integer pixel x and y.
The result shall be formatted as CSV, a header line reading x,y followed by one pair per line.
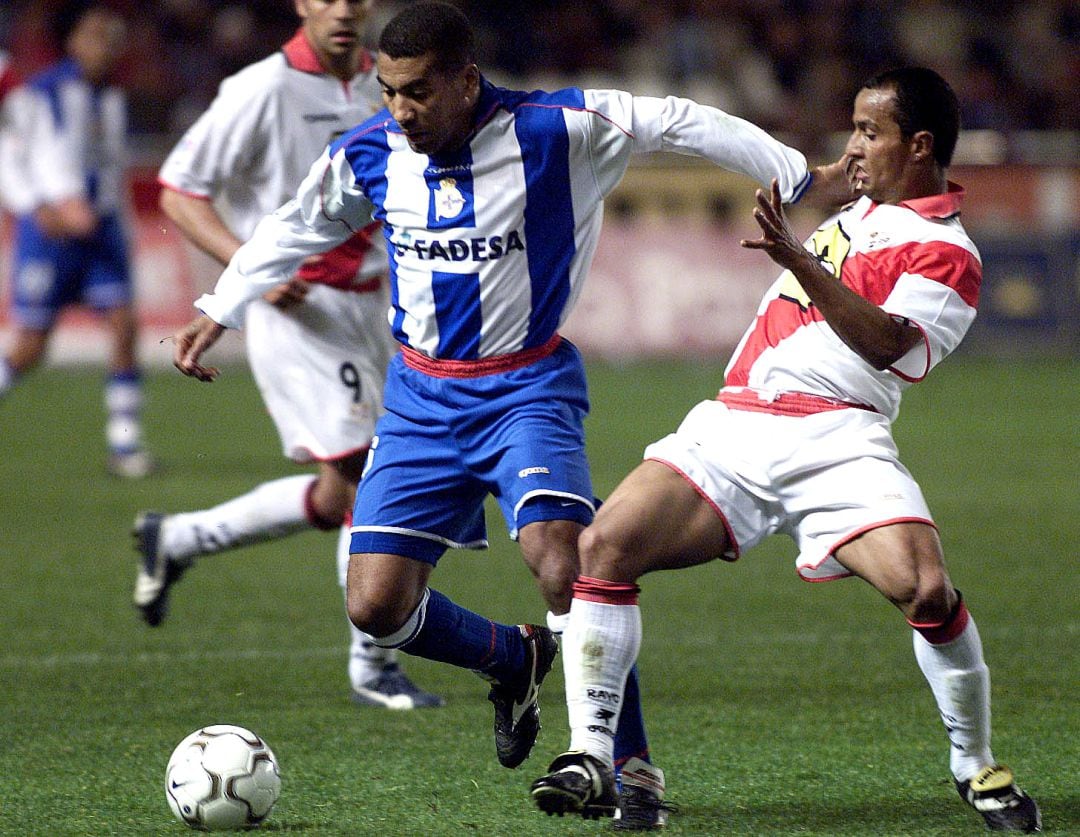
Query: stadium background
x,y
669,278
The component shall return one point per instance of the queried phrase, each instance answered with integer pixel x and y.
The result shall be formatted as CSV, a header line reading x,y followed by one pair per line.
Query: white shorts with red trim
x,y
822,478
321,368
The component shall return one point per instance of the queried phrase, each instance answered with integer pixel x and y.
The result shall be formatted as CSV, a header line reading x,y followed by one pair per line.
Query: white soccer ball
x,y
222,777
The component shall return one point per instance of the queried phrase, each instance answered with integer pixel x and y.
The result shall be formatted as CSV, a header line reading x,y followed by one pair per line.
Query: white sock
x,y
123,402
960,681
556,622
271,510
366,659
600,645
7,376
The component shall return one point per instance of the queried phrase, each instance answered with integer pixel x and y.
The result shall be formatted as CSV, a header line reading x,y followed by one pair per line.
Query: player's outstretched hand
x,y
777,238
190,342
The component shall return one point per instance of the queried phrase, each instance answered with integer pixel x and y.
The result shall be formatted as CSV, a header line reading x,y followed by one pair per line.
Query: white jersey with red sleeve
x,y
914,260
255,143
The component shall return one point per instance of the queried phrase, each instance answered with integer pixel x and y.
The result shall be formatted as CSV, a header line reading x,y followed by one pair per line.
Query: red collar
x,y
938,206
300,55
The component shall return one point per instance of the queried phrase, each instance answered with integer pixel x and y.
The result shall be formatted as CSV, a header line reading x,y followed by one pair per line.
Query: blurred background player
x,y
318,345
799,441
64,157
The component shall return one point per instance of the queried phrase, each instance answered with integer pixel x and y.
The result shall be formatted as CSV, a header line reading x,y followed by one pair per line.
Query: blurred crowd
x,y
789,65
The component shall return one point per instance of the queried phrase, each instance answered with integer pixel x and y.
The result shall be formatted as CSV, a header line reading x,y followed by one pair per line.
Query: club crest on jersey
x,y
448,199
831,245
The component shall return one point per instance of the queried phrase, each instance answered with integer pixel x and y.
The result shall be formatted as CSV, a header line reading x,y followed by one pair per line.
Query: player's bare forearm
x,y
864,327
189,344
288,294
832,186
200,224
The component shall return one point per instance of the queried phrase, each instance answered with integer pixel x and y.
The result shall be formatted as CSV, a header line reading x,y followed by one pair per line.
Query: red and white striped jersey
x,y
914,260
8,78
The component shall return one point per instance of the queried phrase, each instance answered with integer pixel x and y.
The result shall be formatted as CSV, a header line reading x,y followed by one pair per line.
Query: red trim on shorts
x,y
482,366
734,544
605,592
312,514
785,403
850,537
939,633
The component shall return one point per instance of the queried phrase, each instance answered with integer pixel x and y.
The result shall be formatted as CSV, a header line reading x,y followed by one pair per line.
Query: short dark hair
x,y
70,14
924,102
430,27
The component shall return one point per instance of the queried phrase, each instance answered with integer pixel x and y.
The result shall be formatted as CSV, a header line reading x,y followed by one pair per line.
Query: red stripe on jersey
x,y
8,82
873,275
782,318
605,592
338,267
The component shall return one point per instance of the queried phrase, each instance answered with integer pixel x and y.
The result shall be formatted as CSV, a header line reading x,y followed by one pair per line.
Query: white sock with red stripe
x,y
600,645
269,511
366,659
951,658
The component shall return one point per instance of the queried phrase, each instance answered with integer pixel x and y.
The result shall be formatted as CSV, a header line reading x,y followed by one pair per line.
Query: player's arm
x,y
204,227
866,329
831,186
328,208
200,223
683,126
51,181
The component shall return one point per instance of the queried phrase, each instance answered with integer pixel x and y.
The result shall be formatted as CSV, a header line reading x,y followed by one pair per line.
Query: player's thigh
x,y
654,520
903,561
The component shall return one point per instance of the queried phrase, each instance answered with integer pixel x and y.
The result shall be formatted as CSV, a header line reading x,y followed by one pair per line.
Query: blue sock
x,y
630,738
452,634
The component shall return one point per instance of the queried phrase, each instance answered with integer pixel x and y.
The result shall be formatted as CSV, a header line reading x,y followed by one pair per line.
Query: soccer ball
x,y
222,777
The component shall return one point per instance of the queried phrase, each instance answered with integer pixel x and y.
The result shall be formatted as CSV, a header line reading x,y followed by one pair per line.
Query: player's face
x,y
434,107
334,26
97,42
879,155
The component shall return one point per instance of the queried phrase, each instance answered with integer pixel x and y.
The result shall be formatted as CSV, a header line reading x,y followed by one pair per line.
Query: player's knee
x,y
375,616
555,576
932,601
601,552
326,503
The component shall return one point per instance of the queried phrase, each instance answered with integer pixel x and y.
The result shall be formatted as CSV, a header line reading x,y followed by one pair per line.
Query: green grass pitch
x,y
774,706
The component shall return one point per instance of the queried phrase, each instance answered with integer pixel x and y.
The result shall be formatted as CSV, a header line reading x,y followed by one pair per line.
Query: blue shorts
x,y
446,443
49,273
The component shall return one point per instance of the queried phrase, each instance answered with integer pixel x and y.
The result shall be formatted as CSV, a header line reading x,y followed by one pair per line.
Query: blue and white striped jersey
x,y
72,141
490,244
